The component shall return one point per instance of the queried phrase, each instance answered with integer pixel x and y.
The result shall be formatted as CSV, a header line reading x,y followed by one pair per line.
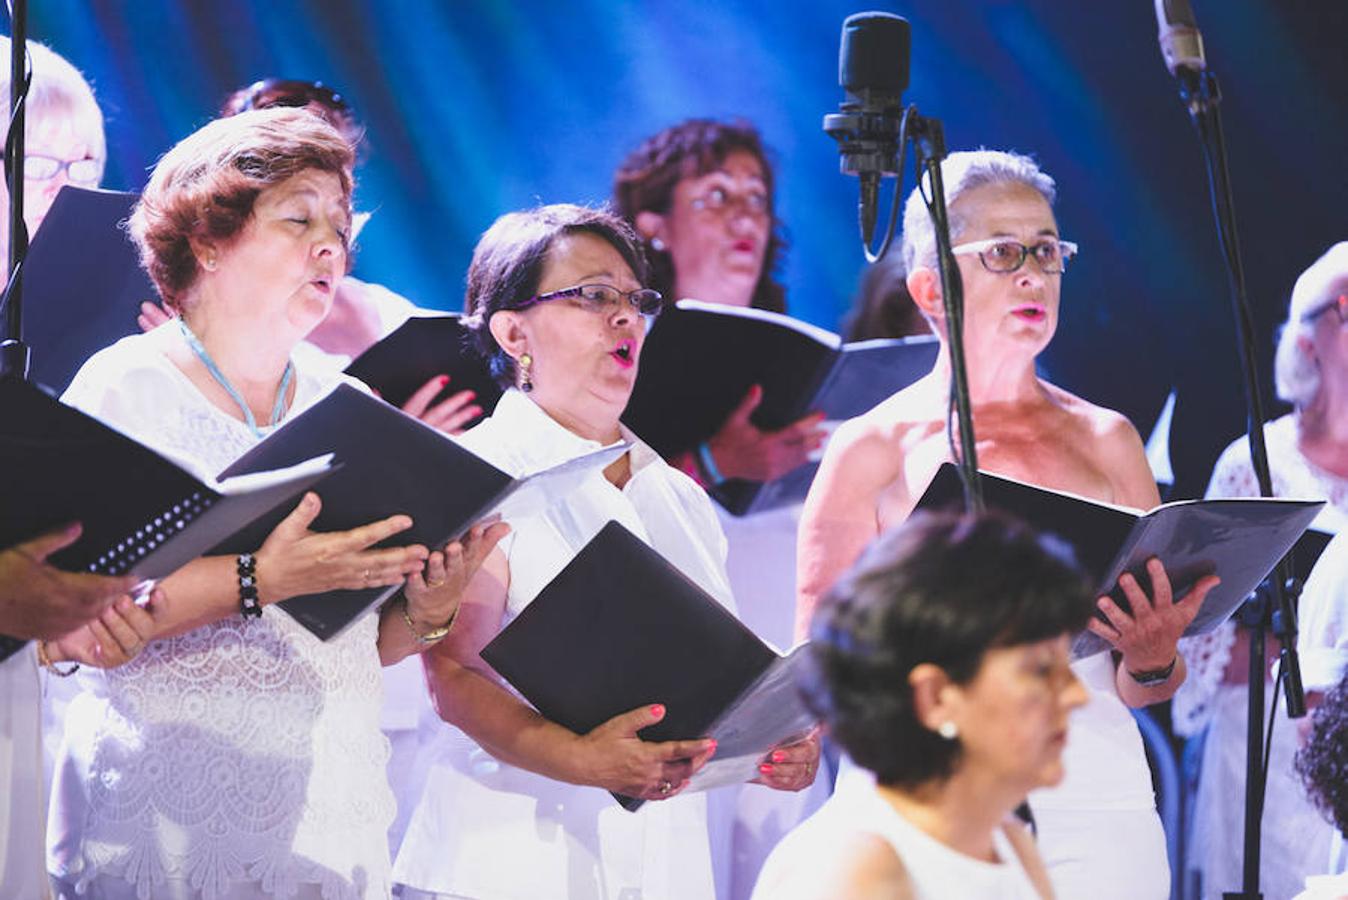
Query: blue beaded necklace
x,y
277,411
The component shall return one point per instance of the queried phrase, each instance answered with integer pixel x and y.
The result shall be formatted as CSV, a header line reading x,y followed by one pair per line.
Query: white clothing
x,y
935,870
491,831
243,757
1106,782
1322,641
1295,837
1324,887
21,800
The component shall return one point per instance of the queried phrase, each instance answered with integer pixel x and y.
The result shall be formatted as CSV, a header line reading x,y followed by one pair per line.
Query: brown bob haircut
x,y
511,255
645,182
204,188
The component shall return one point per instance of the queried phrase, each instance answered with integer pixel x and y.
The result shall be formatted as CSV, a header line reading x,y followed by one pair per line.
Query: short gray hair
x,y
963,171
58,90
1295,373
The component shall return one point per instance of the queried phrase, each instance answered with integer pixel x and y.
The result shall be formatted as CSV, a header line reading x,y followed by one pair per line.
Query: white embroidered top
x,y
1322,640
487,829
935,870
1233,476
242,755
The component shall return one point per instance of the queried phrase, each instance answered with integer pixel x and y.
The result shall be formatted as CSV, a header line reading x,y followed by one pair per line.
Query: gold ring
x,y
435,584
666,787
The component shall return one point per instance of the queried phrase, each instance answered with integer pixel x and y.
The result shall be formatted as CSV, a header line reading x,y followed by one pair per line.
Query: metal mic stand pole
x,y
1201,95
929,149
13,351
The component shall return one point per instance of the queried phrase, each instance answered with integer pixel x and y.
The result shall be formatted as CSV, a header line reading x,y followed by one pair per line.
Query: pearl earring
x,y
948,730
658,245
522,365
209,264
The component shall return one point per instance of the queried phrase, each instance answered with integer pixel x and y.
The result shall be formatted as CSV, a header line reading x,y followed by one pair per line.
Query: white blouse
x,y
1322,641
491,831
1233,475
243,756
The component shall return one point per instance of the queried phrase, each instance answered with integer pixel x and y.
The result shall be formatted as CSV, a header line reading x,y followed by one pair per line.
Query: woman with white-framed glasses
x,y
1307,457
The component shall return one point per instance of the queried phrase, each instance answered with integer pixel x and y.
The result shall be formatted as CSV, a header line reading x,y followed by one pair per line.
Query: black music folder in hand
x,y
391,463
700,360
1238,539
420,349
142,513
82,283
620,627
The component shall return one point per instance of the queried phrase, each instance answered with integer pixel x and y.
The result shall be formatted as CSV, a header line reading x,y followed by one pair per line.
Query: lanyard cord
x,y
277,410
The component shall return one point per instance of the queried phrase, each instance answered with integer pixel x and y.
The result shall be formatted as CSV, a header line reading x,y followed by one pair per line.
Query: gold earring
x,y
522,365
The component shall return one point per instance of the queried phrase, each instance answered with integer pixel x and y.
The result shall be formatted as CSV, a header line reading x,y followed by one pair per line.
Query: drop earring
x,y
522,365
948,730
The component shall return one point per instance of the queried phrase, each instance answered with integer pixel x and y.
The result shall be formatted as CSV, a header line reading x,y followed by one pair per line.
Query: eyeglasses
x,y
272,92
720,201
1002,255
603,299
1339,304
79,171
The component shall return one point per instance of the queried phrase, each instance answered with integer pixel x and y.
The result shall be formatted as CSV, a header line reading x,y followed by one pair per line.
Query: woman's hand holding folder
x,y
614,757
743,450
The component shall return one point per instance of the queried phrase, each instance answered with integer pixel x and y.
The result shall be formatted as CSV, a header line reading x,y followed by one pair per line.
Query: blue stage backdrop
x,y
476,108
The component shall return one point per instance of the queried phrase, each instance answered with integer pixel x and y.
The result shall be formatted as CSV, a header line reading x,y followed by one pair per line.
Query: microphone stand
x,y
14,353
1272,603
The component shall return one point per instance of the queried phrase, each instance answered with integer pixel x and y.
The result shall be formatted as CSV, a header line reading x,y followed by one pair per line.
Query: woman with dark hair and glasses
x,y
516,805
940,663
363,313
1308,457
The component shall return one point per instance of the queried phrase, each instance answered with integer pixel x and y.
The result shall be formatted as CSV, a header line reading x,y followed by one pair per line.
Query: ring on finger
x,y
365,575
665,787
435,584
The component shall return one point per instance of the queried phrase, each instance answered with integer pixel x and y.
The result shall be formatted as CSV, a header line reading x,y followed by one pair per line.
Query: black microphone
x,y
1181,42
873,73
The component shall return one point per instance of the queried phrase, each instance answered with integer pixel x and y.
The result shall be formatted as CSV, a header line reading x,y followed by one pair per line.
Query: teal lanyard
x,y
277,410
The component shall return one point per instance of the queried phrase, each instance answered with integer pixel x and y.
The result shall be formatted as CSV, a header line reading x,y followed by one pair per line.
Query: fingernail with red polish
x,y
766,769
444,380
778,756
658,711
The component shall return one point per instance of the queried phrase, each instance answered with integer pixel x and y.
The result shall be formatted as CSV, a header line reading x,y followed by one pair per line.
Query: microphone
x,y
1181,42
873,73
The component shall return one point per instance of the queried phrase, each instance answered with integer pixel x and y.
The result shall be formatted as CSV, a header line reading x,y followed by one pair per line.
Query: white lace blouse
x,y
244,756
1233,476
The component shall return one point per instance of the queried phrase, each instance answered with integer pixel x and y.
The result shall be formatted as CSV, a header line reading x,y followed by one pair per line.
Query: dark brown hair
x,y
509,259
204,188
645,182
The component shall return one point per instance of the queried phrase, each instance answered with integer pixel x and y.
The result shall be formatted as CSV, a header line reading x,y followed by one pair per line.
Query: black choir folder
x,y
392,463
82,283
420,349
701,359
620,627
1239,539
142,513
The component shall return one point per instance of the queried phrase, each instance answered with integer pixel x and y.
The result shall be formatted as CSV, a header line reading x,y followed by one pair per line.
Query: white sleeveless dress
x,y
935,870
241,759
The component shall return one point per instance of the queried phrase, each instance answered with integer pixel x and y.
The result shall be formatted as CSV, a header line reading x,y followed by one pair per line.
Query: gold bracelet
x,y
45,662
434,634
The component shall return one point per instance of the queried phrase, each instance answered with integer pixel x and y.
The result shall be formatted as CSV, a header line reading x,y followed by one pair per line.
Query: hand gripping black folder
x,y
82,283
700,359
391,463
620,627
1240,539
420,349
141,513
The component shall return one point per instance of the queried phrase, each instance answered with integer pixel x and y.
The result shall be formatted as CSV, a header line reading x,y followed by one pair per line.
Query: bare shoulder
x,y
871,447
1110,439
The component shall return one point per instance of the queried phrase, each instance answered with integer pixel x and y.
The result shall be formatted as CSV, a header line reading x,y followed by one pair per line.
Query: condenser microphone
x,y
873,73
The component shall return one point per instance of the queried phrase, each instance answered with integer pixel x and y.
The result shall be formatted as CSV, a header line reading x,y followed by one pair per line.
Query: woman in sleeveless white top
x,y
239,756
940,665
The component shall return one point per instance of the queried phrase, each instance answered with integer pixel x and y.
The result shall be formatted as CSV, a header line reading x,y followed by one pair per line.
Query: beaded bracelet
x,y
249,605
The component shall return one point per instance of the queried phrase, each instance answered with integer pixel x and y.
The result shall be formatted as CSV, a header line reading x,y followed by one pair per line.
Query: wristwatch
x,y
1153,677
435,634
